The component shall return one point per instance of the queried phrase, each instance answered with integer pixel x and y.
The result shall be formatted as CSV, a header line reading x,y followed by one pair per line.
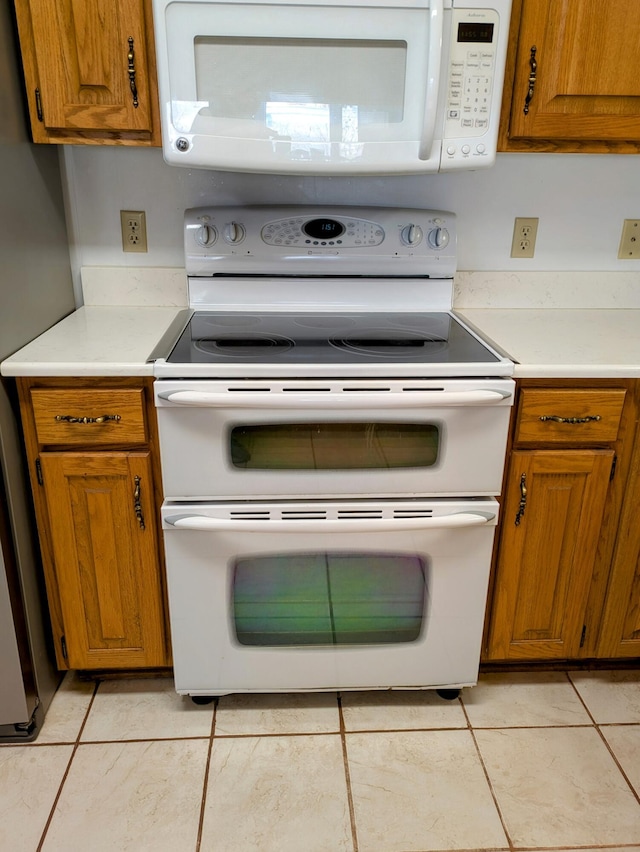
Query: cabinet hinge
x,y
39,106
39,472
613,468
583,635
63,645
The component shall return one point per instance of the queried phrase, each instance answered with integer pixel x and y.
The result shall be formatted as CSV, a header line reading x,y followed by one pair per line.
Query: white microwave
x,y
334,87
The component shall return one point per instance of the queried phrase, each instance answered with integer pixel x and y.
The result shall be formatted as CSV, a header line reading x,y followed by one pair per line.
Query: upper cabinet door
x,y
90,69
572,78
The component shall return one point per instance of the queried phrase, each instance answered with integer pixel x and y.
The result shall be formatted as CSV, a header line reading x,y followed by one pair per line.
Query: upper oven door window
x,y
334,446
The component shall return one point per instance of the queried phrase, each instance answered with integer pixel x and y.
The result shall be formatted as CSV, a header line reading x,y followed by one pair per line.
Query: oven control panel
x,y
320,241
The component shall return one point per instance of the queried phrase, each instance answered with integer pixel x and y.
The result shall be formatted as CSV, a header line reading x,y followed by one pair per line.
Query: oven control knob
x,y
206,235
411,235
438,238
234,232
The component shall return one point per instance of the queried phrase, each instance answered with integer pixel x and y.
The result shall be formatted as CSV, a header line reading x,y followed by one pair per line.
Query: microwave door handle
x,y
340,401
436,22
203,523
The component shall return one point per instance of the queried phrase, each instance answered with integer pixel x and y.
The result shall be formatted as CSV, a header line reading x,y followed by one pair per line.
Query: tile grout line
x,y
205,787
596,725
486,775
76,745
347,774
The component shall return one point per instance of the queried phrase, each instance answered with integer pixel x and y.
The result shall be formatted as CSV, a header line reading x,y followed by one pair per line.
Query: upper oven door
x,y
263,439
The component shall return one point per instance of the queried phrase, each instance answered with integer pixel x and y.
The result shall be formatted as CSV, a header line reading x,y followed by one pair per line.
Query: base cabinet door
x,y
551,519
620,631
103,537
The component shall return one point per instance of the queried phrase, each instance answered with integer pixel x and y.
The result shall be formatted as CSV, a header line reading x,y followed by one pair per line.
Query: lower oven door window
x,y
328,598
315,595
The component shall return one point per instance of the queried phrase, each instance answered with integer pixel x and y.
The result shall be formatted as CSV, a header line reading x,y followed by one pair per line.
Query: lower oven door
x,y
327,595
278,439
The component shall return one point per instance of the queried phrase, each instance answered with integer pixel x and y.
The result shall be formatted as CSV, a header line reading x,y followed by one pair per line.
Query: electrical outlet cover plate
x,y
524,237
629,248
134,230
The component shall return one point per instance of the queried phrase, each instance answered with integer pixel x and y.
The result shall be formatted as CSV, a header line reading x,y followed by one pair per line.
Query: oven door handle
x,y
203,523
342,400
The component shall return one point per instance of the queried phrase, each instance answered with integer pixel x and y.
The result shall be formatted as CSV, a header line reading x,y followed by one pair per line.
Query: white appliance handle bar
x,y
344,401
436,23
205,524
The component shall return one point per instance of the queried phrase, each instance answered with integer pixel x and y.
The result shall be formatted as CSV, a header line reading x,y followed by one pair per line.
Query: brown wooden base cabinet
x,y
92,452
566,579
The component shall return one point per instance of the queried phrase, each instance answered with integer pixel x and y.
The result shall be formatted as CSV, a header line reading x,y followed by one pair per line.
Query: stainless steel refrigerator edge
x,y
35,292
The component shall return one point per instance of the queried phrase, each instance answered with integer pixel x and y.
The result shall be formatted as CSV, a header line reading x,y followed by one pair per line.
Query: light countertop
x,y
564,343
99,341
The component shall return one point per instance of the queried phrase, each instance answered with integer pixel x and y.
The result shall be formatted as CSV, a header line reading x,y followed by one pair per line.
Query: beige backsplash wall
x,y
581,201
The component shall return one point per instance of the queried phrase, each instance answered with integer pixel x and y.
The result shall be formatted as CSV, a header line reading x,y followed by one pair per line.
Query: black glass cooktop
x,y
327,338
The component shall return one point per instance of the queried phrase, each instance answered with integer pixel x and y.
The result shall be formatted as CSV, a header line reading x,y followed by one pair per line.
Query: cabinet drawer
x,y
89,417
569,416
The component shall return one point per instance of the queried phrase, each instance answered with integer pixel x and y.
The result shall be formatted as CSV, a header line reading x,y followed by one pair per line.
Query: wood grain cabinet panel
x,y
89,417
103,539
620,634
571,81
550,527
90,70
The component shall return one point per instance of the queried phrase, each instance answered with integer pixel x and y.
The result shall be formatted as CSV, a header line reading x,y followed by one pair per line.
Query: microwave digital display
x,y
470,31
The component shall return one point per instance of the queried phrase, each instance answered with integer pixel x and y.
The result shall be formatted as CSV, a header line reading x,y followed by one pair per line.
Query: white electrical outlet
x,y
524,237
629,248
134,230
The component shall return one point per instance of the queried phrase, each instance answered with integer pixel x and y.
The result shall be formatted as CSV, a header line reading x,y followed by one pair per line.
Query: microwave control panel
x,y
472,91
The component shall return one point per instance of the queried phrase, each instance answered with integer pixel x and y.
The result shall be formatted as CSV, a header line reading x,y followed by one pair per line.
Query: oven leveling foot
x,y
448,694
202,699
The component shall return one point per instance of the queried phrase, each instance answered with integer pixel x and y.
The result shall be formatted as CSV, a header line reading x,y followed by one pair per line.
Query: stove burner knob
x,y
438,238
411,235
206,235
234,232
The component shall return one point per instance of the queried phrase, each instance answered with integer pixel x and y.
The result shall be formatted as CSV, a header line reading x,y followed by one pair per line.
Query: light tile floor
x,y
522,761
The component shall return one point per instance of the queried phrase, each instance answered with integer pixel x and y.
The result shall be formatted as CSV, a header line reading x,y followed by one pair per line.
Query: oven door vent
x,y
331,514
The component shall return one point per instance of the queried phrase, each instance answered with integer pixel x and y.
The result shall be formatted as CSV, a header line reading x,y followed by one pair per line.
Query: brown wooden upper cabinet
x,y
572,82
90,71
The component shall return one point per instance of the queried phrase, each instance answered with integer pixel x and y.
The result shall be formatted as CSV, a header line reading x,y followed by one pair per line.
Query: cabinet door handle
x,y
104,418
532,78
131,68
556,419
523,498
137,506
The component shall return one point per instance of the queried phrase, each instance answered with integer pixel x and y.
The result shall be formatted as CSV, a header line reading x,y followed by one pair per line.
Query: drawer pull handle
x,y
131,70
523,498
533,73
589,419
137,506
104,418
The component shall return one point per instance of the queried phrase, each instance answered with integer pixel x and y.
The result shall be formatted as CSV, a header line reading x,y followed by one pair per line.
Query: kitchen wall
x,y
581,201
